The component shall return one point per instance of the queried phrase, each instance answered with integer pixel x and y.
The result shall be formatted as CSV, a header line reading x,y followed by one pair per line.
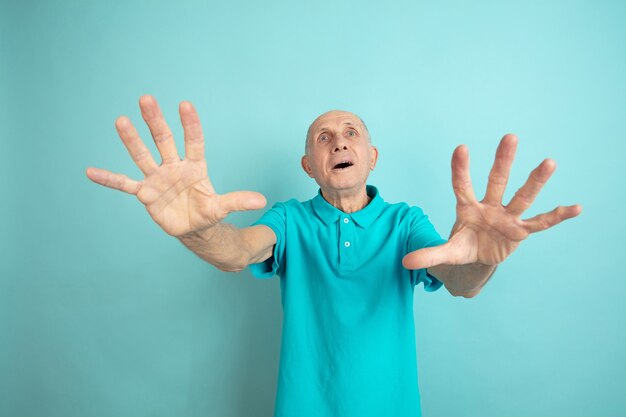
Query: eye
x,y
351,133
323,137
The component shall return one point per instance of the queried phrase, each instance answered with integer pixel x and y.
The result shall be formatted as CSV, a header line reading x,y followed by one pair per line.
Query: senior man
x,y
347,260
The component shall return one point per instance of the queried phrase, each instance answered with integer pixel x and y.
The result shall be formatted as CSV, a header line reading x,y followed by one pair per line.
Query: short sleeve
x,y
276,219
422,234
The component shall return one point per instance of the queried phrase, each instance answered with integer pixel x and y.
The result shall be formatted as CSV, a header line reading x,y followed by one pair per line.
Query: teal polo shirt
x,y
348,337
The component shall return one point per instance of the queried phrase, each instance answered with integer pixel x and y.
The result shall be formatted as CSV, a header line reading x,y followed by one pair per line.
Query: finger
x,y
138,151
194,138
115,181
241,201
161,133
525,196
546,220
461,182
499,175
427,257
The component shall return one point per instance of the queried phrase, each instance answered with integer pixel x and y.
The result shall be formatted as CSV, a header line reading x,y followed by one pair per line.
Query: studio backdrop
x,y
103,314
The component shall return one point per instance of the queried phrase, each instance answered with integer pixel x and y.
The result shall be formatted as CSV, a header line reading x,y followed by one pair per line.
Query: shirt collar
x,y
364,217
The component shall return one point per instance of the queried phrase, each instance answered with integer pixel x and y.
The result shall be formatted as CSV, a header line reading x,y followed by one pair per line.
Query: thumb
x,y
427,257
241,201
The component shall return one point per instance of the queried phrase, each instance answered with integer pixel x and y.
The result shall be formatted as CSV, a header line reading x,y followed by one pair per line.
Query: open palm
x,y
178,194
486,231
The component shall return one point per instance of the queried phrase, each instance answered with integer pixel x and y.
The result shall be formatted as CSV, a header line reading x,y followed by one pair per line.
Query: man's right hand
x,y
178,193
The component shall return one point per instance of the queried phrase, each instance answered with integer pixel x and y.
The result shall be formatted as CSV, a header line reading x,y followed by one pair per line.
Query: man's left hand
x,y
486,232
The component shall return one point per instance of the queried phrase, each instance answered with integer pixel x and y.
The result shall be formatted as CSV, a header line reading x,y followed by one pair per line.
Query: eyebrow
x,y
322,129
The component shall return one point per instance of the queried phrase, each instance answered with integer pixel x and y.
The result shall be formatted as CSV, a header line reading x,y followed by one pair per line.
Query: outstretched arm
x,y
179,195
486,232
231,249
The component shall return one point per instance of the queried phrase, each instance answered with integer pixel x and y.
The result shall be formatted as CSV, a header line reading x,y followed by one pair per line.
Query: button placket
x,y
346,242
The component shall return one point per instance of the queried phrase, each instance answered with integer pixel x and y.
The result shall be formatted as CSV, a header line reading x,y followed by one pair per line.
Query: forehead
x,y
335,118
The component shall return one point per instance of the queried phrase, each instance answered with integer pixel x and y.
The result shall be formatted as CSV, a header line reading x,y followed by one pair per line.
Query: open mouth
x,y
343,165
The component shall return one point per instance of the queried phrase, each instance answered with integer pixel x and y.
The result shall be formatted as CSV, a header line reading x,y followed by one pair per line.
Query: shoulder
x,y
291,208
292,205
403,211
286,205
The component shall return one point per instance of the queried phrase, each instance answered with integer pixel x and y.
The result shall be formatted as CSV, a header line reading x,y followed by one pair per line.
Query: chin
x,y
343,184
342,181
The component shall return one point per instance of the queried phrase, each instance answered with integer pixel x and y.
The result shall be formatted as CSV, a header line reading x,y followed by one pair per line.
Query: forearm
x,y
463,280
221,245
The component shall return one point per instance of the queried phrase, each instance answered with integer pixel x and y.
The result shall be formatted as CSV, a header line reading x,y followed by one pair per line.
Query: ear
x,y
374,158
305,166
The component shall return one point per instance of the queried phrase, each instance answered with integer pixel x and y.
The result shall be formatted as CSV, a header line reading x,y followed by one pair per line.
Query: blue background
x,y
103,314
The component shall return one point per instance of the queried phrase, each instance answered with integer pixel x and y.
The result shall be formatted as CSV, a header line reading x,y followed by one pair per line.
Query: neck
x,y
347,201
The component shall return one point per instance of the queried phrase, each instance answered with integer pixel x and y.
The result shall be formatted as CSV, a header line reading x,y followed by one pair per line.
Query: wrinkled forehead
x,y
336,119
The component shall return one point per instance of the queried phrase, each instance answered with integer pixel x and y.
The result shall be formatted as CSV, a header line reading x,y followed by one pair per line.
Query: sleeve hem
x,y
269,267
431,283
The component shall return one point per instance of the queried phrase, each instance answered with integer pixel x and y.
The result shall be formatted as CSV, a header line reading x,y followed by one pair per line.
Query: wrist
x,y
203,234
485,267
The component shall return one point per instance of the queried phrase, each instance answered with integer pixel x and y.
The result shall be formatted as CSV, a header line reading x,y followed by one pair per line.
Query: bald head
x,y
325,120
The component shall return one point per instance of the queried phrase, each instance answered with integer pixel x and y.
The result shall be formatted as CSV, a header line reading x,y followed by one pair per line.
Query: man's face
x,y
340,155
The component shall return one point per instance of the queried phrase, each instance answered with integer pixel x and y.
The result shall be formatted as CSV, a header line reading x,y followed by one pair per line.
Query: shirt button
x,y
347,244
346,220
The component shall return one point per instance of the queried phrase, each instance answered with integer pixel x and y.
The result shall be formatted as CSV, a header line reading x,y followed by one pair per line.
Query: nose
x,y
340,145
